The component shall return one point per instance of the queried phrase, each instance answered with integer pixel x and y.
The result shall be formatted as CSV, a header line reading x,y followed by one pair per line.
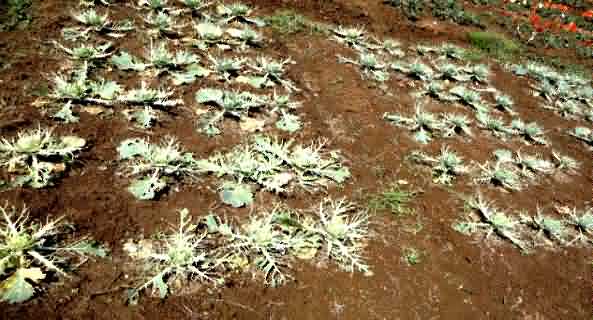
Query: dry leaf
x,y
252,124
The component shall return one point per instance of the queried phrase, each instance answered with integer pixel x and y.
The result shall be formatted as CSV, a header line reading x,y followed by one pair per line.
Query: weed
x,y
183,254
393,199
493,43
287,22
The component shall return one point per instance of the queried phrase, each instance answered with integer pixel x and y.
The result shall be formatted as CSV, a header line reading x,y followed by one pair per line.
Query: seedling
x,y
370,66
491,220
449,71
144,118
423,124
29,252
80,89
445,167
183,254
568,109
155,5
532,132
412,256
452,51
152,163
33,155
532,164
479,73
392,47
209,34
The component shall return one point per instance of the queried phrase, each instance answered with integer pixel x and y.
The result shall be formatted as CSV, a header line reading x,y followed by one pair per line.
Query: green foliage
x,y
493,43
445,167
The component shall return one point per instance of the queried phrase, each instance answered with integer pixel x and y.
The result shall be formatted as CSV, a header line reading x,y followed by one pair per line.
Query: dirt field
x,y
456,275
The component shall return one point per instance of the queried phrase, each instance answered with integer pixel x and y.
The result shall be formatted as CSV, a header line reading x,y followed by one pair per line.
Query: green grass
x,y
494,44
289,22
394,200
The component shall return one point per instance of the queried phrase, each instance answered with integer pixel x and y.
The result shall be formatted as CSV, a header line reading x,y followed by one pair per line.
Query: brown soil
x,y
458,277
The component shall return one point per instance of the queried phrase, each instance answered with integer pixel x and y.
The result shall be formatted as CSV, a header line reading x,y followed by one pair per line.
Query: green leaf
x,y
125,61
16,289
289,122
159,284
236,194
146,188
130,148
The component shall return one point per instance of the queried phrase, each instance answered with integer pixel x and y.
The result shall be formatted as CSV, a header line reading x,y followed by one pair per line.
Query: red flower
x,y
571,27
588,14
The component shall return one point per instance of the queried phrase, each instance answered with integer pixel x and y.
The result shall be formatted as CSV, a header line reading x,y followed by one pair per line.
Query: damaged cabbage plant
x,y
354,37
531,132
548,228
226,68
269,241
164,24
416,70
583,133
213,35
154,166
423,124
35,157
237,12
483,217
278,166
87,52
581,221
95,22
78,88
370,66
470,98
446,166
144,95
267,72
494,124
239,105
231,103
31,252
182,255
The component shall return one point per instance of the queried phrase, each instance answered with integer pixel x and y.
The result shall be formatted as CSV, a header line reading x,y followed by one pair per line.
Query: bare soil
x,y
458,277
